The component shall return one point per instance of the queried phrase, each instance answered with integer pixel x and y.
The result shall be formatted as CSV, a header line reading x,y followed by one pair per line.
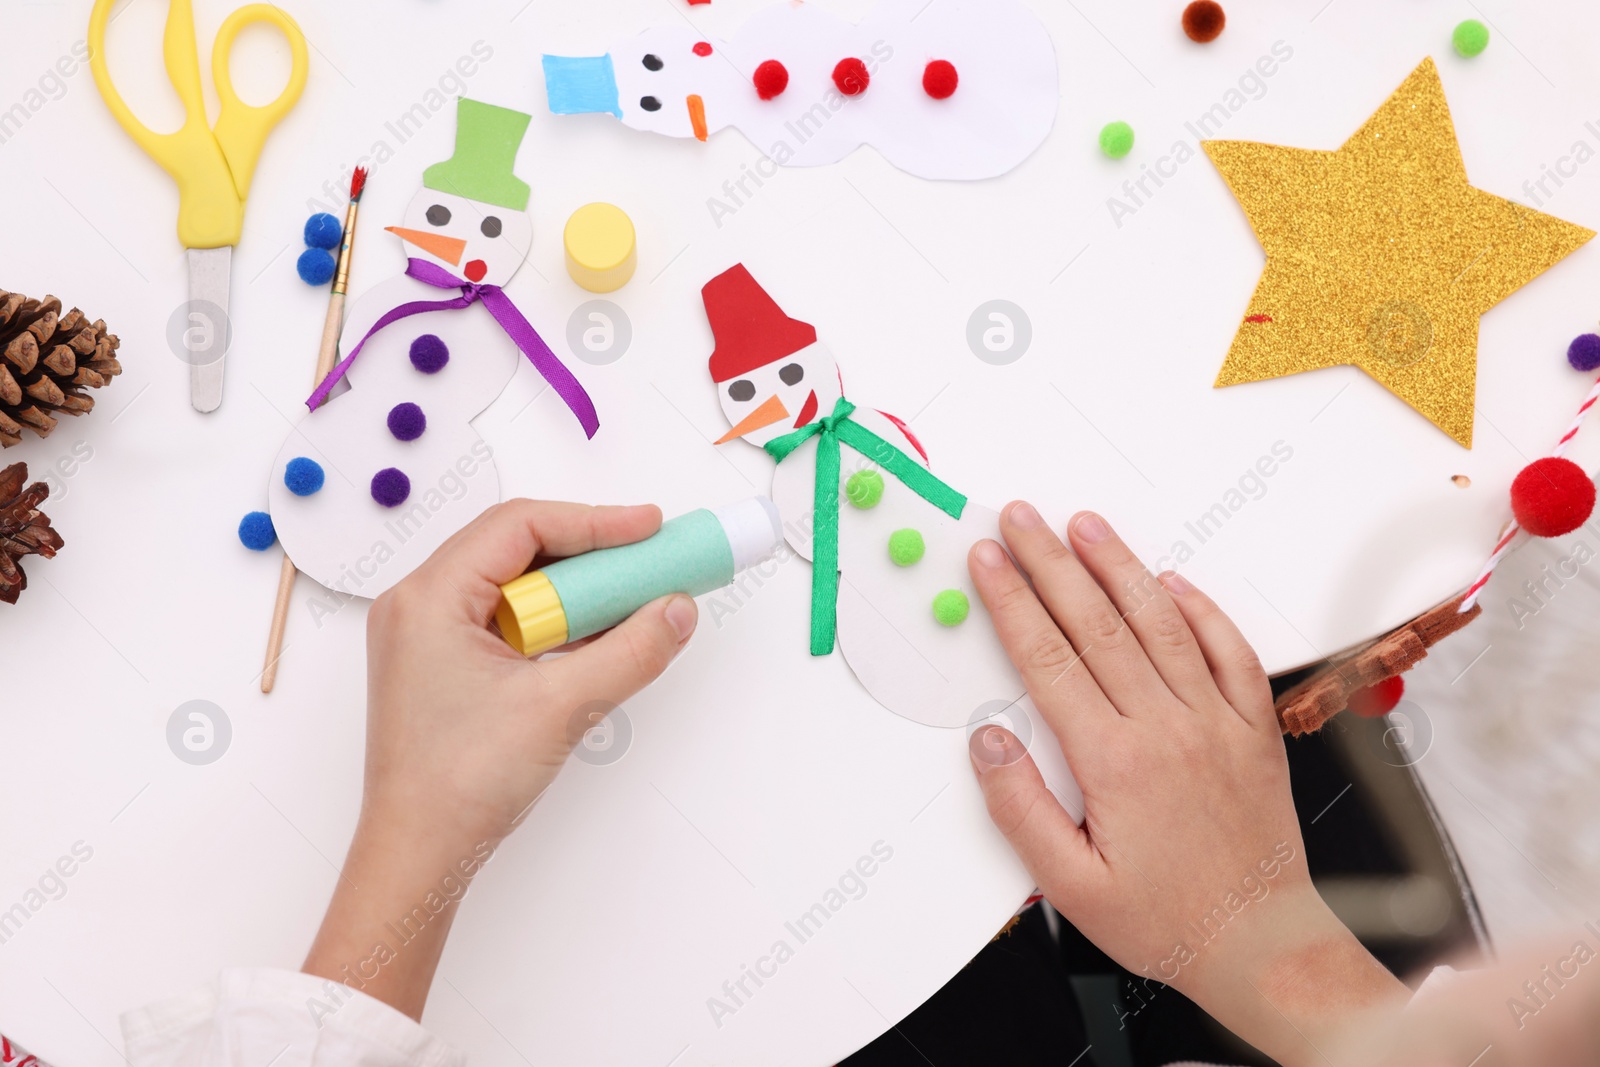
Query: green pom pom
x,y
1116,139
864,489
1470,38
950,607
906,547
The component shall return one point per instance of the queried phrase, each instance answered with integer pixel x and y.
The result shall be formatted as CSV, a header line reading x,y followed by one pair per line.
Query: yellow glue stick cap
x,y
601,251
530,615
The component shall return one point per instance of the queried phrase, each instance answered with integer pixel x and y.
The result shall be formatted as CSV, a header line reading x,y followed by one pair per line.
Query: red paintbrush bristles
x,y
358,182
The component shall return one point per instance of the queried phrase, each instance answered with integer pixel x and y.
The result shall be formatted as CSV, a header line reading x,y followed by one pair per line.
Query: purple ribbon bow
x,y
505,313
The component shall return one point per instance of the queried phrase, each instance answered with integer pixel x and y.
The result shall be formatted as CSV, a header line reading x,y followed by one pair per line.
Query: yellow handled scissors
x,y
213,167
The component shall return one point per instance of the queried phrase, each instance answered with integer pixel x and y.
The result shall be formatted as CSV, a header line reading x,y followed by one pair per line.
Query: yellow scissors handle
x,y
213,170
241,128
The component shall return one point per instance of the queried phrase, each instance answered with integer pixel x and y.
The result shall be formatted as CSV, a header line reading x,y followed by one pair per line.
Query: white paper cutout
x,y
947,677
340,535
1003,108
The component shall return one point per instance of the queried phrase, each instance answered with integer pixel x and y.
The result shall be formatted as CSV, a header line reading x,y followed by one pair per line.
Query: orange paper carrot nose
x,y
769,412
449,249
697,116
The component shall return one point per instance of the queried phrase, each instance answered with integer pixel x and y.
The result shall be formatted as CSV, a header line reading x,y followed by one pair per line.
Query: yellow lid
x,y
530,615
601,250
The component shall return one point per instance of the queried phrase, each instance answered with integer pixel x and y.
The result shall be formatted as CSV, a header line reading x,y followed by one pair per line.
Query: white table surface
x,y
600,929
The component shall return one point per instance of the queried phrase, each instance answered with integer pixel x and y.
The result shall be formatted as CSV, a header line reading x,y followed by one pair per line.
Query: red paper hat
x,y
751,329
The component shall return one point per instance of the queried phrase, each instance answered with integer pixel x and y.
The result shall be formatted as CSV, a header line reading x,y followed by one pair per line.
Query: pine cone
x,y
24,529
47,361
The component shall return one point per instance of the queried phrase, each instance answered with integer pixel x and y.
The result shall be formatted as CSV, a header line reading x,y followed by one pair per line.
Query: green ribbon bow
x,y
829,431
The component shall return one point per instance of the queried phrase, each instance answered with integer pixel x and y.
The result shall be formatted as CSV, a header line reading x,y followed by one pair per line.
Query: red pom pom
x,y
1552,497
851,76
702,48
939,79
771,79
1373,701
1203,21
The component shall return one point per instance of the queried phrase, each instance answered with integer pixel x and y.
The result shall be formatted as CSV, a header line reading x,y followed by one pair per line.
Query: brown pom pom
x,y
1204,20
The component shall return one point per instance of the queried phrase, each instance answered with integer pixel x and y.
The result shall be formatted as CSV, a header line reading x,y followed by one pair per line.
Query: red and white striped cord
x,y
1503,545
16,1056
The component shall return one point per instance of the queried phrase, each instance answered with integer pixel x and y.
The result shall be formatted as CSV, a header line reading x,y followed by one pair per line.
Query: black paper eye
x,y
491,227
439,215
650,103
792,374
742,390
652,62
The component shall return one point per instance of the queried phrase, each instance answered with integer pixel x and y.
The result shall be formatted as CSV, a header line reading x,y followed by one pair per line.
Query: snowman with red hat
x,y
387,466
887,539
947,89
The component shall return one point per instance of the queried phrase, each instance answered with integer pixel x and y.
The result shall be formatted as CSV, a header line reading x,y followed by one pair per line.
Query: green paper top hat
x,y
487,139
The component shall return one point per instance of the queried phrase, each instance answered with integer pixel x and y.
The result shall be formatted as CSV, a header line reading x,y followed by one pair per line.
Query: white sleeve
x,y
1439,979
253,1017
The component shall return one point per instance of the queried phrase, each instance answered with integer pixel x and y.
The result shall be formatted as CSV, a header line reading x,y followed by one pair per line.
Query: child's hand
x,y
464,734
1189,868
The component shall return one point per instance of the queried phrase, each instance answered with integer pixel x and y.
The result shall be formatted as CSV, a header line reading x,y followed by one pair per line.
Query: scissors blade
x,y
210,330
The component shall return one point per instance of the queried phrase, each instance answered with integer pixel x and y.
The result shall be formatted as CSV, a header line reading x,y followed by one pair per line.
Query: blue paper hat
x,y
578,85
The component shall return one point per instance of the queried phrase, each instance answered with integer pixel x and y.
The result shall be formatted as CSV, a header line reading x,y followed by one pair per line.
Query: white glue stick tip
x,y
754,529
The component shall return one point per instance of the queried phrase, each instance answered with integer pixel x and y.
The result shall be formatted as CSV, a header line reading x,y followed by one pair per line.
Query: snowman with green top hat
x,y
386,465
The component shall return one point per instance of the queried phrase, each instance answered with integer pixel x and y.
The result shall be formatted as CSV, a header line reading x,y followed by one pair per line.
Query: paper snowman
x,y
773,376
371,481
953,89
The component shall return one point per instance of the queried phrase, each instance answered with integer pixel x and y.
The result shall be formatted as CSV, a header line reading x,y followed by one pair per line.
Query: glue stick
x,y
582,595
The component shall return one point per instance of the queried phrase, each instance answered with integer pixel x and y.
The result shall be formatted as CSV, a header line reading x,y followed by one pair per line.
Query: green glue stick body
x,y
691,554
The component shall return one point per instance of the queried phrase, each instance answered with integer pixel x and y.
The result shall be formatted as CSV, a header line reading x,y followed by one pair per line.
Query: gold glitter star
x,y
1380,255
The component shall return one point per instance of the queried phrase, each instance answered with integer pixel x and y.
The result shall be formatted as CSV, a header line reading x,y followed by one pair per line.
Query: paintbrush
x,y
327,355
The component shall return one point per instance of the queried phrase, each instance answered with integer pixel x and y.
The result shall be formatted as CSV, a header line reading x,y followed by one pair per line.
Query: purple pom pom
x,y
406,421
390,487
1584,352
429,354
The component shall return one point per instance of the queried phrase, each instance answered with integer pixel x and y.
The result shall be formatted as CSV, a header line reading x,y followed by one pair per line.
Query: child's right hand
x,y
1189,867
464,734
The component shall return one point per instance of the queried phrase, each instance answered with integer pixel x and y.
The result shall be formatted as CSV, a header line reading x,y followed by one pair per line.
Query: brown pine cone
x,y
24,529
48,361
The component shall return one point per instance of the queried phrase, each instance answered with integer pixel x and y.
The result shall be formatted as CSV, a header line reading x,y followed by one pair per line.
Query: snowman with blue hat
x,y
946,89
386,465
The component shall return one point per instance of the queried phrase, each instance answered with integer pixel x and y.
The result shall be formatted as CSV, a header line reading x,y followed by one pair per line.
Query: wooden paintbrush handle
x,y
280,618
327,356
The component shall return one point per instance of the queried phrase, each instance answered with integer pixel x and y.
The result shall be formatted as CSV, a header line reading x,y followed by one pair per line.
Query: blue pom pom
x,y
1584,352
324,231
303,476
316,267
256,532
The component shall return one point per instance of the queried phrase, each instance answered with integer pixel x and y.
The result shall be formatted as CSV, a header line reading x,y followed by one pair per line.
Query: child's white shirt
x,y
254,1018
251,1018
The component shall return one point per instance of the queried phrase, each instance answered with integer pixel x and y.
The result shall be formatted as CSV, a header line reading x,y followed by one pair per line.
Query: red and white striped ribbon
x,y
1503,545
13,1055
